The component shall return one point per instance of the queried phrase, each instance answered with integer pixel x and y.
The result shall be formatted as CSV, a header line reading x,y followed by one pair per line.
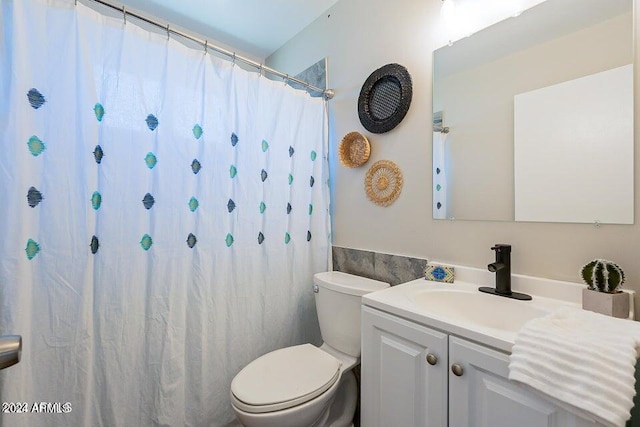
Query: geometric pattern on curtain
x,y
162,214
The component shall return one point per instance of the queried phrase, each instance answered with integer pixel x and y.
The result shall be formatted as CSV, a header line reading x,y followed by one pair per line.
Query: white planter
x,y
616,305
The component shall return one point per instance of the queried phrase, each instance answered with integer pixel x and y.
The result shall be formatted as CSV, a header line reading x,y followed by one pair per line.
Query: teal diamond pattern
x,y
36,146
197,131
193,204
32,249
146,242
151,160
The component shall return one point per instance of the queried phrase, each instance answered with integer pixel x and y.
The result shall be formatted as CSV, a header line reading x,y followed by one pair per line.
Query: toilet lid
x,y
284,378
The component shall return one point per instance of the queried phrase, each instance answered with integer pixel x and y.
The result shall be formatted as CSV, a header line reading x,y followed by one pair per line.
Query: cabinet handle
x,y
432,359
457,370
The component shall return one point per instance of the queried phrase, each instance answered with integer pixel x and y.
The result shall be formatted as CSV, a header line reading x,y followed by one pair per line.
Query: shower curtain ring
x,y
206,45
286,79
260,70
168,31
234,59
124,14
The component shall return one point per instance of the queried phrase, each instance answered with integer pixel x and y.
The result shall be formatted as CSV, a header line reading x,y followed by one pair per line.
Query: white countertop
x,y
548,295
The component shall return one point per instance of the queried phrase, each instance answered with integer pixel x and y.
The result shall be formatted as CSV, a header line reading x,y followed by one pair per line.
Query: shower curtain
x,y
440,186
162,213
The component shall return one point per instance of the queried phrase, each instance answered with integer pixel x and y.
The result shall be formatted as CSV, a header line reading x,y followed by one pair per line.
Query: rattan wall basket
x,y
354,150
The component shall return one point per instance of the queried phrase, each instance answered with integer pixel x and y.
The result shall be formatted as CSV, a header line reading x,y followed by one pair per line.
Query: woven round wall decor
x,y
383,182
354,150
385,98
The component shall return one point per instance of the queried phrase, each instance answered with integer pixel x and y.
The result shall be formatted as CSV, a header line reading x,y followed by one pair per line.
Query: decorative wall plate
x,y
354,150
385,98
383,182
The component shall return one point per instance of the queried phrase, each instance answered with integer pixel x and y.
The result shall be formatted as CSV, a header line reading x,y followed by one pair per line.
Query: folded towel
x,y
584,360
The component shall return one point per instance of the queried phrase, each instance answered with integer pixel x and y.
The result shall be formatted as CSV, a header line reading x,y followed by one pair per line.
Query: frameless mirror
x,y
539,114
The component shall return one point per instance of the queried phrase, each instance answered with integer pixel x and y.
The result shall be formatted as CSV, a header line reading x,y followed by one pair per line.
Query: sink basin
x,y
461,310
478,309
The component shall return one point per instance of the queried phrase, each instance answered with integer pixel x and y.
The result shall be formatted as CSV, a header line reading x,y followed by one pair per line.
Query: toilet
x,y
305,385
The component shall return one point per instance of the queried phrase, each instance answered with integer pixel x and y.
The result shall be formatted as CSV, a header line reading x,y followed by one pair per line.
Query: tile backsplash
x,y
316,75
393,269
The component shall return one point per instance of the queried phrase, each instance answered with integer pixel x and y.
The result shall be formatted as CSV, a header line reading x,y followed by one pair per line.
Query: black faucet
x,y
502,268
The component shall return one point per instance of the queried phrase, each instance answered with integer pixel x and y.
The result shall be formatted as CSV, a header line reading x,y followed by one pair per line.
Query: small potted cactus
x,y
603,294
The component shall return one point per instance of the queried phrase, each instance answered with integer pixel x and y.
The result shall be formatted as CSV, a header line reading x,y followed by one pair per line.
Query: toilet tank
x,y
338,298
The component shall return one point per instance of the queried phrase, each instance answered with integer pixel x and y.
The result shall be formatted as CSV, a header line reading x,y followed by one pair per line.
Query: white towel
x,y
584,360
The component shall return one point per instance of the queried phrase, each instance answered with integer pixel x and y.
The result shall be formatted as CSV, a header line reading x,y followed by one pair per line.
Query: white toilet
x,y
303,385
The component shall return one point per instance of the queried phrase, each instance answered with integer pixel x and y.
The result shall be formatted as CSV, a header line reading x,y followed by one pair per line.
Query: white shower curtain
x,y
161,215
440,186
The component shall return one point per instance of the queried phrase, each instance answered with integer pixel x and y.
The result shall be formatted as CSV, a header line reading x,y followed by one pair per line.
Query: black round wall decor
x,y
385,98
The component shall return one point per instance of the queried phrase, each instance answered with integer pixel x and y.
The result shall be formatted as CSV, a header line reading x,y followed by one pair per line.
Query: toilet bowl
x,y
304,385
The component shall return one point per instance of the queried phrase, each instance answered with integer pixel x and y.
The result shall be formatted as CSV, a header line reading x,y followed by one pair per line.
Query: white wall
x,y
359,36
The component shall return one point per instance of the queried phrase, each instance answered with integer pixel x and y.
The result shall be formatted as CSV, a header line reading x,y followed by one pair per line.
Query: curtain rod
x,y
328,93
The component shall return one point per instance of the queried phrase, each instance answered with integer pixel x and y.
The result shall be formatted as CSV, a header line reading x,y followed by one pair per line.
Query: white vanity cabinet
x,y
467,385
483,396
404,373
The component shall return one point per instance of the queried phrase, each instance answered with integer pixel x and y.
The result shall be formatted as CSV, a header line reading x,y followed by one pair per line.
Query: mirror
x,y
539,114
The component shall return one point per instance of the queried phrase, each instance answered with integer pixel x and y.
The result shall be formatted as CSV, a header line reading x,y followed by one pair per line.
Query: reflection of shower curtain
x,y
439,176
162,213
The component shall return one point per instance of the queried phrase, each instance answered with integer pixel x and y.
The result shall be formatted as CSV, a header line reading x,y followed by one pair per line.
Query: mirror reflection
x,y
533,117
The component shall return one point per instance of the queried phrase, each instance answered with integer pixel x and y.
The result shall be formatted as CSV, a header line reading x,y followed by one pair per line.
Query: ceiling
x,y
256,28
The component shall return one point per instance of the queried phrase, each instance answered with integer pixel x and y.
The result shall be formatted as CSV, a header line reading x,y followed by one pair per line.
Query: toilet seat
x,y
284,378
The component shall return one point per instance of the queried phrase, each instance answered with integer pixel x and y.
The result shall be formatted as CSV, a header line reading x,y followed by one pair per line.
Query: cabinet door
x,y
483,396
400,388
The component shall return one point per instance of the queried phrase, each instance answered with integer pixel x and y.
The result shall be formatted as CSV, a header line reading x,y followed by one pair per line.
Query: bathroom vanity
x,y
437,354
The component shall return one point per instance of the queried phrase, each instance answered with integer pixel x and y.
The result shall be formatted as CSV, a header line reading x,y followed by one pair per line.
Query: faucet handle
x,y
501,247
